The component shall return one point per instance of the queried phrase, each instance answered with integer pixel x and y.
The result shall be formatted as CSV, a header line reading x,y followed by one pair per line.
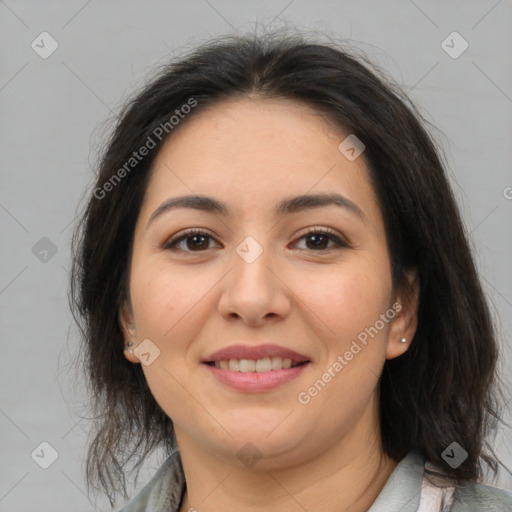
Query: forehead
x,y
239,128
254,152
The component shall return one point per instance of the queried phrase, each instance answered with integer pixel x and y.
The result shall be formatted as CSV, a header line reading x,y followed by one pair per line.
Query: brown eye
x,y
191,241
319,239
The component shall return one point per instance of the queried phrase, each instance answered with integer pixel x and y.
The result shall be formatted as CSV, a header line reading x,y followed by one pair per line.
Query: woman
x,y
275,287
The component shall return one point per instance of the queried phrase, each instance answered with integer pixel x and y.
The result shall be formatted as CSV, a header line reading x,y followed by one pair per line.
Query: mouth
x,y
264,365
258,368
256,358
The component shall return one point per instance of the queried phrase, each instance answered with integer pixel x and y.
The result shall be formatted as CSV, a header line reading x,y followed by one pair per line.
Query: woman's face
x,y
253,282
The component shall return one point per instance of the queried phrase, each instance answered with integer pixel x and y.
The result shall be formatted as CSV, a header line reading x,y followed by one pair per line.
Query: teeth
x,y
277,363
250,365
263,365
247,365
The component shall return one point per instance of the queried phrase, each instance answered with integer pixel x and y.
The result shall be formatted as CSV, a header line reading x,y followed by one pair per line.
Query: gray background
x,y
54,114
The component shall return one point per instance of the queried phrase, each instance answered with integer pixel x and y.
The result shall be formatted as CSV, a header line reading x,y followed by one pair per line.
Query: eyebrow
x,y
285,207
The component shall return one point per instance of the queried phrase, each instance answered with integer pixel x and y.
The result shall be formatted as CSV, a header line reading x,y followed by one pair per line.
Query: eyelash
x,y
171,244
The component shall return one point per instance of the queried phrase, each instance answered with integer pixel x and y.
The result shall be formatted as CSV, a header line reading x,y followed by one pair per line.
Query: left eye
x,y
198,241
320,238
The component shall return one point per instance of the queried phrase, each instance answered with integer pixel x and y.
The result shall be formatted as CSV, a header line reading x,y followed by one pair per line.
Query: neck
x,y
346,476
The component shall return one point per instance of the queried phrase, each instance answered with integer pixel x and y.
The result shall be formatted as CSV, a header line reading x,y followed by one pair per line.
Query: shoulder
x,y
474,496
418,485
466,495
163,493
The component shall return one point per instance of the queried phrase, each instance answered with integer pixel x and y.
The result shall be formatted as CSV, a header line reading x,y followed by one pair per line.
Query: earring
x,y
130,344
403,340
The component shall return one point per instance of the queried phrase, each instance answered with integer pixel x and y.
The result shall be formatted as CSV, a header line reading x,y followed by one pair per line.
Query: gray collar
x,y
403,489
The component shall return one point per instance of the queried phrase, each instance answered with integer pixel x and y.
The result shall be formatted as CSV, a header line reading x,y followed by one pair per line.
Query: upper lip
x,y
255,352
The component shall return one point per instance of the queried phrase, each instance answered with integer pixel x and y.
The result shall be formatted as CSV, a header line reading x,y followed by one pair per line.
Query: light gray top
x,y
414,486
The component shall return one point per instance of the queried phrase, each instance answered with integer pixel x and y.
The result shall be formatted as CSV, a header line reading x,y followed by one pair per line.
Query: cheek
x,y
348,298
349,301
162,301
161,297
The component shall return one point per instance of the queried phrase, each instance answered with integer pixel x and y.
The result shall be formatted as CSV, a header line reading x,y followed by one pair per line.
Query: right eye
x,y
192,240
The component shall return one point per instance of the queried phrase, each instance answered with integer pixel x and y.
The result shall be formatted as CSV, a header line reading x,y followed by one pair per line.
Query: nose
x,y
254,292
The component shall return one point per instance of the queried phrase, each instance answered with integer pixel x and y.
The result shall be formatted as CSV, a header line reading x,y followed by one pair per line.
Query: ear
x,y
406,320
126,323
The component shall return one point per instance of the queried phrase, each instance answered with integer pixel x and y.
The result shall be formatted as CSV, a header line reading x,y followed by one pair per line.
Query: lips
x,y
239,352
254,369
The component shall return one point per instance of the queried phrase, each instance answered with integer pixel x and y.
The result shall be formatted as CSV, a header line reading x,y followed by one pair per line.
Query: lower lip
x,y
256,381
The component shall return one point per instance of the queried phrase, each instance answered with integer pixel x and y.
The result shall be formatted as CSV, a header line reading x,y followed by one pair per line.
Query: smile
x,y
266,364
244,379
255,368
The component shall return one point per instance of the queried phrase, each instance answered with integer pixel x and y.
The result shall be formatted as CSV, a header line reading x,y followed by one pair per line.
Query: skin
x,y
250,154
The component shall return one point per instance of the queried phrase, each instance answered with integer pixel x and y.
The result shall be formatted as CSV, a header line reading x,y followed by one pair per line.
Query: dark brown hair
x,y
441,390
